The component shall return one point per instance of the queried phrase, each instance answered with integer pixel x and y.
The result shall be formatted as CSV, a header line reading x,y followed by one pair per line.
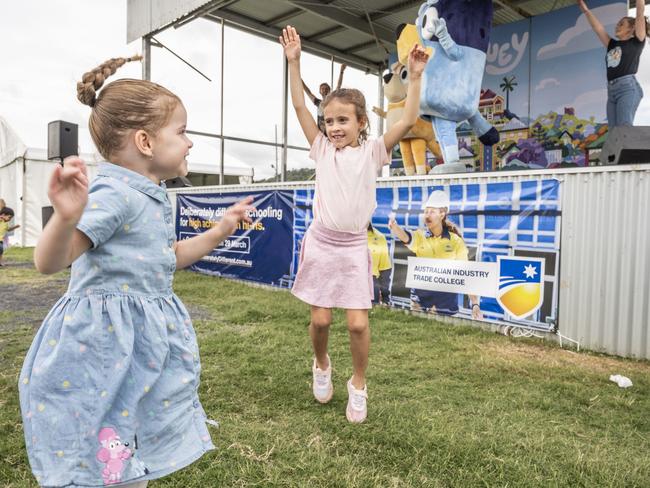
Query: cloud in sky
x,y
580,37
586,101
547,82
42,64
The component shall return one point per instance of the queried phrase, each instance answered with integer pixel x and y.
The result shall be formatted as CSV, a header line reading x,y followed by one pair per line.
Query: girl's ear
x,y
143,143
363,123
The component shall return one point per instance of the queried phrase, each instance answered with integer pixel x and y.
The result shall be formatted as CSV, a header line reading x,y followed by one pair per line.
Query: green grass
x,y
448,406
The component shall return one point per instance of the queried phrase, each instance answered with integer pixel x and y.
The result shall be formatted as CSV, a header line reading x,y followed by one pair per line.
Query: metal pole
x,y
146,58
23,202
276,152
380,103
223,142
285,112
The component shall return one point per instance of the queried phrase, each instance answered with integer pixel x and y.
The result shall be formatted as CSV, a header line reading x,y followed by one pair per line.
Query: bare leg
x,y
319,331
359,330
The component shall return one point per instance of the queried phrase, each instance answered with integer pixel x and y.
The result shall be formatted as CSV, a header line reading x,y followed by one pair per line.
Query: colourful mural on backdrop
x,y
544,89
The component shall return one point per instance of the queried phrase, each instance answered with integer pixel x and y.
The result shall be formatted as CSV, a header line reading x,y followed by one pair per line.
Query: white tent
x,y
24,176
25,173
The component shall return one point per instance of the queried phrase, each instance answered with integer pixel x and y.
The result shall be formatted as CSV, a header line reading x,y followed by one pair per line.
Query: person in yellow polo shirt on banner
x,y
381,265
440,239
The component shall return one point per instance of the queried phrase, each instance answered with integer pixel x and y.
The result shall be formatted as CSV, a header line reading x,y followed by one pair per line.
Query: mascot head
x,y
469,22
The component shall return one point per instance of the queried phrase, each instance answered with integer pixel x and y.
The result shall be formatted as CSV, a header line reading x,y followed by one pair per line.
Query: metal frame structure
x,y
147,43
356,32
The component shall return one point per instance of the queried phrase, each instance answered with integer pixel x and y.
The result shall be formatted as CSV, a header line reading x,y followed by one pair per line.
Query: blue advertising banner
x,y
497,260
261,251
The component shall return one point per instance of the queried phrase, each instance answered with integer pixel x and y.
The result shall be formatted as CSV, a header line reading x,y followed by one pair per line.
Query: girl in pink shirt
x,y
335,267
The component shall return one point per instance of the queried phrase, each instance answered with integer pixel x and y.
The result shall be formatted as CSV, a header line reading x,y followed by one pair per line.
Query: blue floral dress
x,y
108,389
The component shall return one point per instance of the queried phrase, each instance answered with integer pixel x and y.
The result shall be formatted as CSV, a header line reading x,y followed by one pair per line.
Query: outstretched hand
x,y
235,214
68,189
290,41
418,58
476,313
393,225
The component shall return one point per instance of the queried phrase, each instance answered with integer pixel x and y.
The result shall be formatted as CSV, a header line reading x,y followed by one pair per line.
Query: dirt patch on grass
x,y
17,264
560,358
27,305
199,313
21,297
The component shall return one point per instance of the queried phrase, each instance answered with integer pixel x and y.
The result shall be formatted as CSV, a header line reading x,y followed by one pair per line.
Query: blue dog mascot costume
x,y
459,33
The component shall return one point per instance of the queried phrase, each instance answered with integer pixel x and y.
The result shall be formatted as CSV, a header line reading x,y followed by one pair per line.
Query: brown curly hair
x,y
356,98
122,105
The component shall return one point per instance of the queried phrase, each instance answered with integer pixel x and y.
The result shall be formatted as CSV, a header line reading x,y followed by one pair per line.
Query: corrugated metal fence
x,y
605,260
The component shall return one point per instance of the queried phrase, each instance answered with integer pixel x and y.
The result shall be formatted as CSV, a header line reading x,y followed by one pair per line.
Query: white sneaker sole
x,y
329,396
351,420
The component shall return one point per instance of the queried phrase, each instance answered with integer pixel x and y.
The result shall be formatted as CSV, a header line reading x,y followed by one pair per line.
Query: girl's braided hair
x,y
122,105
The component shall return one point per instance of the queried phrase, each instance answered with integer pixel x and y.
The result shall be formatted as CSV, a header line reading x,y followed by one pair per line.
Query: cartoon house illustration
x,y
553,156
592,144
491,105
514,130
509,148
565,138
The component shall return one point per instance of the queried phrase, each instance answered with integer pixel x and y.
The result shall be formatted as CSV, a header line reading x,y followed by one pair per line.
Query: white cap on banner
x,y
437,199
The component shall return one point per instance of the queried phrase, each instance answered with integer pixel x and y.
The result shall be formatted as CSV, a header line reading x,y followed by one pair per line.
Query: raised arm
x,y
640,24
595,23
398,232
311,96
290,41
61,242
340,81
417,60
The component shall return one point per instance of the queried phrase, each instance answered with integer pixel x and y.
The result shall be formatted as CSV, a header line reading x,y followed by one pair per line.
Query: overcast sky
x,y
48,44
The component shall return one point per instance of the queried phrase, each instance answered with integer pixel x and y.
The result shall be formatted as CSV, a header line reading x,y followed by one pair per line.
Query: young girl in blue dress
x,y
108,389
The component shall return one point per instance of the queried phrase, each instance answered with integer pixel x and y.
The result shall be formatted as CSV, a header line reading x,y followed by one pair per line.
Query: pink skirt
x,y
335,269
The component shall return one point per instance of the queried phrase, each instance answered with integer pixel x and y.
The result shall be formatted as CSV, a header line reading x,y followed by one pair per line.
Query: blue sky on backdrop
x,y
567,68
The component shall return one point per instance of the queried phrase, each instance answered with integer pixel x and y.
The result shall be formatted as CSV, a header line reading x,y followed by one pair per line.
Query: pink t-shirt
x,y
345,182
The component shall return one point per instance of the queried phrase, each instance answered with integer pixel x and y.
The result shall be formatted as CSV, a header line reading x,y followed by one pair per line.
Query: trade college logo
x,y
521,285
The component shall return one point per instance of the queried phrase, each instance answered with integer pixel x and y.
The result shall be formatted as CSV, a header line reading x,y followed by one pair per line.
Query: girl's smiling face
x,y
341,124
171,147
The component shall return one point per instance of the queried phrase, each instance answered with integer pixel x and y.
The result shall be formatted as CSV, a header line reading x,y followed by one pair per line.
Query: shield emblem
x,y
521,285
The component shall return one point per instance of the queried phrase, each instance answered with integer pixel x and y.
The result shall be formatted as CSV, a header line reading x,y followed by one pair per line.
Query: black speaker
x,y
626,145
46,215
62,139
178,182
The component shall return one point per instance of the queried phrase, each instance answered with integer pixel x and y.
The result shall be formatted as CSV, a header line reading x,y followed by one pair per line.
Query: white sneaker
x,y
357,409
322,382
